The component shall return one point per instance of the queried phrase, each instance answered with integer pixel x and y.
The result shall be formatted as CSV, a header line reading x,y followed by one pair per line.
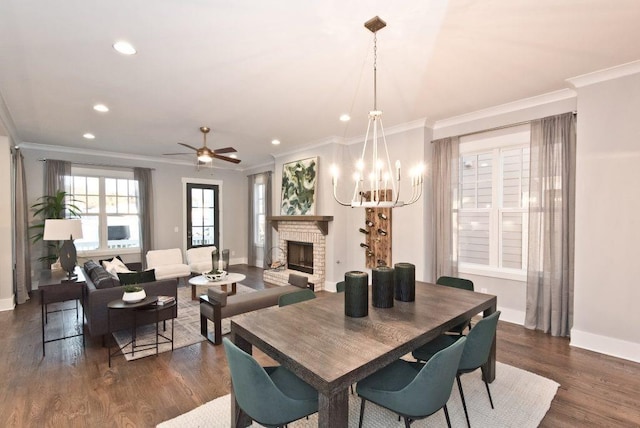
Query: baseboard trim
x,y
513,316
7,304
606,345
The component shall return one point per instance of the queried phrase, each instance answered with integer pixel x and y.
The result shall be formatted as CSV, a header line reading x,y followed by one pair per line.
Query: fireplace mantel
x,y
322,221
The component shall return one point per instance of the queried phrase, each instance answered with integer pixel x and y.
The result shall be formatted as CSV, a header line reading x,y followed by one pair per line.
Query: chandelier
x,y
372,180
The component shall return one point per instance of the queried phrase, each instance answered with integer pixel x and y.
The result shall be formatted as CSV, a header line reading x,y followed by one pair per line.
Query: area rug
x,y
186,328
521,400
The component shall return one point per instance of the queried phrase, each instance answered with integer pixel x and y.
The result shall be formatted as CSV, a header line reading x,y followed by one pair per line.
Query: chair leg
x,y
464,403
486,384
361,413
446,415
351,386
407,422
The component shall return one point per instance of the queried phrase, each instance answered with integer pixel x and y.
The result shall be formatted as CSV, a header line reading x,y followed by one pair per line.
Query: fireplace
x,y
300,256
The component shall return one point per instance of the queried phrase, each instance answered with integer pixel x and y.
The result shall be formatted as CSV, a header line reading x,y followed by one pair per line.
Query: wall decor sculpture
x,y
299,187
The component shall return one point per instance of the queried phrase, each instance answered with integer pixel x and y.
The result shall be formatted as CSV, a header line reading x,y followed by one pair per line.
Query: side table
x,y
57,293
148,304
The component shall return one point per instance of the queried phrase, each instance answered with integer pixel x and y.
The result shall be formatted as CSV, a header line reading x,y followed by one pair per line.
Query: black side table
x,y
57,293
148,304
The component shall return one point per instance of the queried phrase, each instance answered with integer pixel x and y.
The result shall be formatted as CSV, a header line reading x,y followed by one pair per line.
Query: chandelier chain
x,y
375,71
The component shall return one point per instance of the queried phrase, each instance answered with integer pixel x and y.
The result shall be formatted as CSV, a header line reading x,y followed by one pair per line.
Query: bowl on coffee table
x,y
215,275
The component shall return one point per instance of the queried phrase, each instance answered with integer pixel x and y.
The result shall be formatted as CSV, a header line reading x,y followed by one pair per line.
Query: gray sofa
x,y
101,290
216,305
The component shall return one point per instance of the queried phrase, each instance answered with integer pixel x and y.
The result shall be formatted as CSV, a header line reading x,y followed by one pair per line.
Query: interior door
x,y
203,214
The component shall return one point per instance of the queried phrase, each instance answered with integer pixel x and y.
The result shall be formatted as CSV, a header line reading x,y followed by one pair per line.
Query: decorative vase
x,y
215,260
356,294
405,282
134,296
382,285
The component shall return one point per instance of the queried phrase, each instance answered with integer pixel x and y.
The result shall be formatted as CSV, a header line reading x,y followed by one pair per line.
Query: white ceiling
x,y
258,70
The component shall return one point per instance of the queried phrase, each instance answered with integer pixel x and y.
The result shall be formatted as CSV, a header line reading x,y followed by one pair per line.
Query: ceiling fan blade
x,y
186,145
225,150
226,158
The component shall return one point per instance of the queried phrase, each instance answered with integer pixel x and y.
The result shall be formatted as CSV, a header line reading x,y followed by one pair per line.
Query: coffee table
x,y
202,281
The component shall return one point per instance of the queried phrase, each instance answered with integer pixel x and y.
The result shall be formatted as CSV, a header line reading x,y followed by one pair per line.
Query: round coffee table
x,y
201,280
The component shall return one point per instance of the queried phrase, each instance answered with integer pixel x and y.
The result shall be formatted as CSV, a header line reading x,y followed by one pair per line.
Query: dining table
x,y
330,351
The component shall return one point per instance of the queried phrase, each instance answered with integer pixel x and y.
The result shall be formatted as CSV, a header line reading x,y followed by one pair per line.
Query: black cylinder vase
x,y
382,285
405,282
356,294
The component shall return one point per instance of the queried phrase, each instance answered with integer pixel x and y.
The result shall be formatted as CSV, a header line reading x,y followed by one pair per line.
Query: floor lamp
x,y
64,230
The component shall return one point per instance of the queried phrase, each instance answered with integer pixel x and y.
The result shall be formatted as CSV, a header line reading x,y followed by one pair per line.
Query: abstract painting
x,y
299,187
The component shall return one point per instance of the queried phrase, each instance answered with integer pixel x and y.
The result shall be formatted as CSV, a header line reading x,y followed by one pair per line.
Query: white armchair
x,y
199,259
167,263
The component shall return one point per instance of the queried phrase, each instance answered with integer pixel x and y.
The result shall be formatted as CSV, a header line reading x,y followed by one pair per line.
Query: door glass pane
x,y
207,238
208,198
196,236
196,197
196,217
208,214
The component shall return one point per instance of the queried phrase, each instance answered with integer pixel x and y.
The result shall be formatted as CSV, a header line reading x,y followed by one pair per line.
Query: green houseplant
x,y
59,206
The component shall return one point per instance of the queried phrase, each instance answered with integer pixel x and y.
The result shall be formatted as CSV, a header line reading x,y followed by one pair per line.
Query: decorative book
x,y
164,300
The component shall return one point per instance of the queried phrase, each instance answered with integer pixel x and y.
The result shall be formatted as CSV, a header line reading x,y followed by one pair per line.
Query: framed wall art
x,y
299,187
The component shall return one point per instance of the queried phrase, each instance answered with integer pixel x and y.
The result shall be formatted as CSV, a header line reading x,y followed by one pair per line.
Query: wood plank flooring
x,y
74,387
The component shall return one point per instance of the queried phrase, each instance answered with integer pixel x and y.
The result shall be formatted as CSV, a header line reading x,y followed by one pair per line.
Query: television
x,y
117,233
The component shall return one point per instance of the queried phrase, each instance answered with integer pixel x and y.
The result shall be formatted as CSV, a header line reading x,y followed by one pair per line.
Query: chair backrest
x,y
479,340
172,256
340,287
431,388
199,254
255,392
296,297
298,280
451,281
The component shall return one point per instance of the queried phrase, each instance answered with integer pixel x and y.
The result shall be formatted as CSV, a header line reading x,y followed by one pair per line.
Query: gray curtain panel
x,y
268,233
55,172
145,208
251,226
549,305
445,204
252,256
21,231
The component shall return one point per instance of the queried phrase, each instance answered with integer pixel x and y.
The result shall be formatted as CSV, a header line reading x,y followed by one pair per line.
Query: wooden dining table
x,y
330,351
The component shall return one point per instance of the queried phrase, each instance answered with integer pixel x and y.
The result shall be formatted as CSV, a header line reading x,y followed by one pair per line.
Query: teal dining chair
x,y
296,297
475,354
340,287
464,284
271,396
413,390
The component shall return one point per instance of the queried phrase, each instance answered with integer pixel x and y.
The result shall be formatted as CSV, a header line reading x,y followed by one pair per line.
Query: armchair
x,y
199,259
167,263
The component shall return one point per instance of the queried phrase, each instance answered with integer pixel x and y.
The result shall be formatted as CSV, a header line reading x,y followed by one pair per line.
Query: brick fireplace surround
x,y
312,229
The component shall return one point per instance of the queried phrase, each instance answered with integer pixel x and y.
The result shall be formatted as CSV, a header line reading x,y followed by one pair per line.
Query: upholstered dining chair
x,y
413,390
475,354
465,284
271,396
340,287
296,297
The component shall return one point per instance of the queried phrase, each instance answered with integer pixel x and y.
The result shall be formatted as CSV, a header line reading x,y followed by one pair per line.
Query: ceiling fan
x,y
205,154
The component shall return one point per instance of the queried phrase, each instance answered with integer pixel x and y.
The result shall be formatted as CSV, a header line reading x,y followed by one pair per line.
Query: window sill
x,y
510,274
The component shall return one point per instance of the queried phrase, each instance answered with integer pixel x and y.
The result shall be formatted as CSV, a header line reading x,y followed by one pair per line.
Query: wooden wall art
x,y
377,234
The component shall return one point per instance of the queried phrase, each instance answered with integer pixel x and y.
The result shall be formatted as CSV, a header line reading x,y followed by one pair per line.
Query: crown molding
x,y
395,129
604,75
538,100
314,145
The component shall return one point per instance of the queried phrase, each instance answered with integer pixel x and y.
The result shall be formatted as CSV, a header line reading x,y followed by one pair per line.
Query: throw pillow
x,y
115,266
89,266
101,261
137,277
101,278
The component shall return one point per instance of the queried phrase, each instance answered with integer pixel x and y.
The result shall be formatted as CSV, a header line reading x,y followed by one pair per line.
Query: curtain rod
x,y
103,165
497,128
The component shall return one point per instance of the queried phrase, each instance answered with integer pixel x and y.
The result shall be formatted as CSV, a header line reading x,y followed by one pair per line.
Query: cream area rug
x,y
521,400
186,328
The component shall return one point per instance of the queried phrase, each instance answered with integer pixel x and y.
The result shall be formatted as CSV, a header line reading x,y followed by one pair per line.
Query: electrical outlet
x,y
483,290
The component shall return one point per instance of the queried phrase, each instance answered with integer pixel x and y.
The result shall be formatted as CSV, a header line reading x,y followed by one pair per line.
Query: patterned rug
x,y
186,328
521,400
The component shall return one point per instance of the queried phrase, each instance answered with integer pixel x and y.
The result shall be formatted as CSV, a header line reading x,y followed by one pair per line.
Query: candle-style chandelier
x,y
372,180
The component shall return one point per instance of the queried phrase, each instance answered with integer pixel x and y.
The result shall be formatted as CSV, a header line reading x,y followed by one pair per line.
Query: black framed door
x,y
203,215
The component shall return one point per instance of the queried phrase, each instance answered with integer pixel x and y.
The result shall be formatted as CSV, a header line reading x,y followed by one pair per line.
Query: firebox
x,y
300,256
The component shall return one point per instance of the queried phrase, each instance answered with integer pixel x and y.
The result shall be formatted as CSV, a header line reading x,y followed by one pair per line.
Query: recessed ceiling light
x,y
125,48
275,142
345,117
89,136
101,108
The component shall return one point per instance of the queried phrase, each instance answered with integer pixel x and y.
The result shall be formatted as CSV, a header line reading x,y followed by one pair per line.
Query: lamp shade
x,y
62,229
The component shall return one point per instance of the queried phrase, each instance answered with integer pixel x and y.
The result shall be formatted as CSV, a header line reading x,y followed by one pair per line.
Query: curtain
x,y
55,172
21,231
445,204
253,249
145,209
549,305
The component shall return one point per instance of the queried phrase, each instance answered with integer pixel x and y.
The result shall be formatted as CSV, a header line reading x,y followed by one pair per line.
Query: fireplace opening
x,y
300,256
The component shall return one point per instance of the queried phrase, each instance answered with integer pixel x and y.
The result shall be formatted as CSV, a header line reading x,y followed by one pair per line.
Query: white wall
x,y
169,209
6,232
607,289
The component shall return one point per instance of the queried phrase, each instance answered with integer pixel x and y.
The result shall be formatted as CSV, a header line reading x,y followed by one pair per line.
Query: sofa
x,y
102,288
217,305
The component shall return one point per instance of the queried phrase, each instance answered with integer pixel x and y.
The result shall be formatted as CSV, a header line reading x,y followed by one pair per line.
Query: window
x,y
259,203
108,201
492,218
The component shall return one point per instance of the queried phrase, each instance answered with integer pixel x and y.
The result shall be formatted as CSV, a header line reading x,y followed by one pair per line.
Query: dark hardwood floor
x,y
74,387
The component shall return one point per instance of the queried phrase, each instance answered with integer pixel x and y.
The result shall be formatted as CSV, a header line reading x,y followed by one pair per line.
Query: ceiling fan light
x,y
205,158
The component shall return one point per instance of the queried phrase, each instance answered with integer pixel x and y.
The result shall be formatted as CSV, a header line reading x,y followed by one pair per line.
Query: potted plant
x,y
133,294
58,206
